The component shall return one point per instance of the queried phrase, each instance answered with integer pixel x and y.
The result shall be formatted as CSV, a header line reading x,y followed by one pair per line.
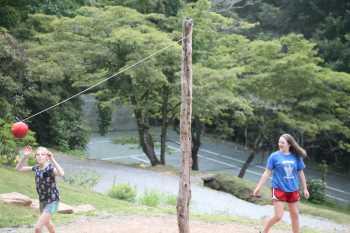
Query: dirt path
x,y
141,224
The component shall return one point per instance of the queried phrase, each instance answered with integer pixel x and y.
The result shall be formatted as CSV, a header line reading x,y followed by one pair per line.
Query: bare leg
x,y
44,220
294,216
278,205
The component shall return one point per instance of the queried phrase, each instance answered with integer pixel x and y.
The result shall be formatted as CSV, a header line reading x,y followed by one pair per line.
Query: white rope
x,y
104,80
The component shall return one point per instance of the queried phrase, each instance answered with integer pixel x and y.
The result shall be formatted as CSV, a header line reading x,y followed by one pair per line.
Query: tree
x,y
166,7
212,86
289,89
14,77
325,22
99,43
53,71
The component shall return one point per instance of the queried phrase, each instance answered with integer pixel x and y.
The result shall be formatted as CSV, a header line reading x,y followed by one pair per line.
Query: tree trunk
x,y
164,127
184,197
250,157
196,142
145,138
246,164
246,137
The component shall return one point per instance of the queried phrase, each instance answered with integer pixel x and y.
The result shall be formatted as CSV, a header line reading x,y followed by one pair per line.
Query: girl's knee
x,y
37,228
278,217
294,214
50,225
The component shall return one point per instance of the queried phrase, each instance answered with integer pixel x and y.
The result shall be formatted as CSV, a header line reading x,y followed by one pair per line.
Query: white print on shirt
x,y
288,168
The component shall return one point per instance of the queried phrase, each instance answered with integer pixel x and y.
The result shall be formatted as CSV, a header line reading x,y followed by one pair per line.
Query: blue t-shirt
x,y
285,170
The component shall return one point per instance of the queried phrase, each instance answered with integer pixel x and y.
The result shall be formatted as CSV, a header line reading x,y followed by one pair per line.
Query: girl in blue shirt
x,y
286,166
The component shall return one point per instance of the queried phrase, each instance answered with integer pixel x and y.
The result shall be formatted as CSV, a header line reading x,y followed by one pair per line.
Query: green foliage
x,y
13,77
105,117
244,87
317,190
155,198
70,131
125,140
171,200
167,7
9,146
78,153
326,24
13,12
123,192
150,198
237,187
86,178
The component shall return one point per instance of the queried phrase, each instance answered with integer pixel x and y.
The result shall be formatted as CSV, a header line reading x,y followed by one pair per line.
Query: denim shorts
x,y
50,208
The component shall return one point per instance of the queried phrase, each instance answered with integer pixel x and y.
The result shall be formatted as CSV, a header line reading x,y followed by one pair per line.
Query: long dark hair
x,y
295,148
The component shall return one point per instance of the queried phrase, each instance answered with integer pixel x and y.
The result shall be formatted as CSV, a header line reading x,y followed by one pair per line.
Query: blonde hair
x,y
295,148
41,149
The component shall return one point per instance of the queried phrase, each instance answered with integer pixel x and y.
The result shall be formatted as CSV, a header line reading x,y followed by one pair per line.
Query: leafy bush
x,y
9,146
238,187
317,190
171,200
67,129
155,198
151,198
123,192
87,178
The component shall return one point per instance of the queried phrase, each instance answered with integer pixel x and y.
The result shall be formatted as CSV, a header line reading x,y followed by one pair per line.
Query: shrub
x,y
9,145
317,190
151,198
171,200
238,187
123,192
87,178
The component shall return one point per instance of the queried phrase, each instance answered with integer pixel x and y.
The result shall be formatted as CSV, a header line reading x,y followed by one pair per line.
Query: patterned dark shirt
x,y
46,184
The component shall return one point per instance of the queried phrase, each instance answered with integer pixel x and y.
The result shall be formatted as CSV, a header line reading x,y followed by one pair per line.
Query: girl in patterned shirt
x,y
45,171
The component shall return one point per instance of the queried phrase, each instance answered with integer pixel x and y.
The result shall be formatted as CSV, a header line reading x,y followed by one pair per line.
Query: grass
x,y
242,189
336,213
150,198
10,216
12,181
123,192
13,216
126,140
80,154
155,198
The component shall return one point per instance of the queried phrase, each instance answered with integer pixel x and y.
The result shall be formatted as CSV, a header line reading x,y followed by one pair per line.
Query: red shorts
x,y
280,195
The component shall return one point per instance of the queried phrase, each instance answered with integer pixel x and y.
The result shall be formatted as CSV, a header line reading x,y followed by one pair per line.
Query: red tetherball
x,y
19,129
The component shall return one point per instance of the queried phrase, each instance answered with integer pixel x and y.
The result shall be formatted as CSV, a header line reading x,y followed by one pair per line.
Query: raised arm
x,y
22,164
265,176
58,170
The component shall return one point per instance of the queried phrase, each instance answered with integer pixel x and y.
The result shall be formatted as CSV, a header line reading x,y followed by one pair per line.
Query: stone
x,y
84,208
16,199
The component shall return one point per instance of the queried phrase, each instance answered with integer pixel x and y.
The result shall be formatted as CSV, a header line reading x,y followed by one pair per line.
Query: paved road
x,y
214,155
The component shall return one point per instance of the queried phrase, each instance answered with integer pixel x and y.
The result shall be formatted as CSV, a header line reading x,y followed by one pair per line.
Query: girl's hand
x,y
256,193
27,151
50,155
306,193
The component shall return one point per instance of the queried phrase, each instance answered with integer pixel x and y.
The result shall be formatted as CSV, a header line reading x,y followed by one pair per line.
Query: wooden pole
x,y
184,197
